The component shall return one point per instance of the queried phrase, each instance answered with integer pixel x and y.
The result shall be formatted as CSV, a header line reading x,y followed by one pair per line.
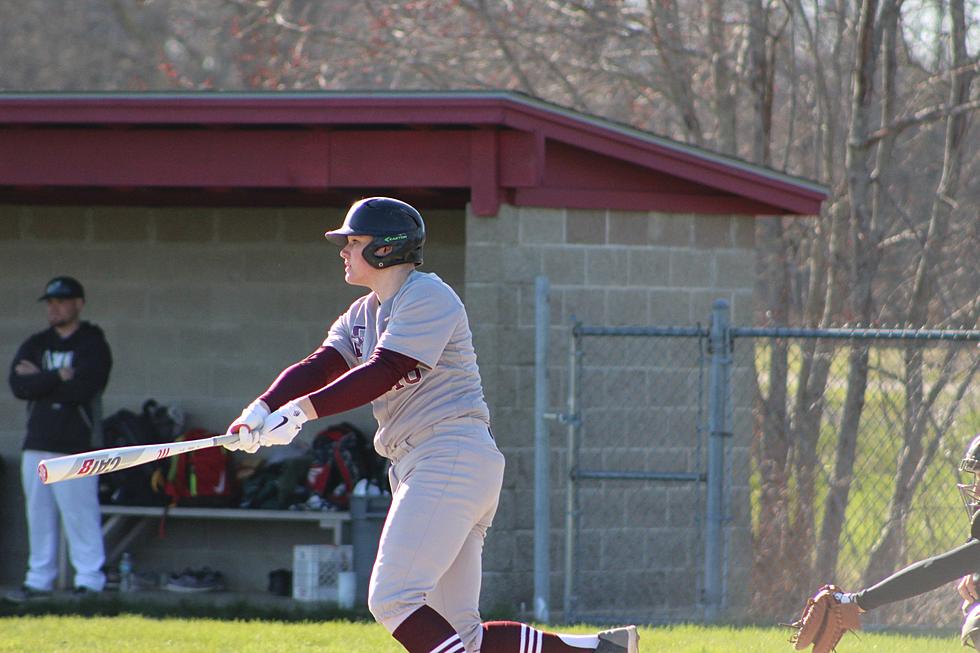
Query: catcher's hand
x,y
825,620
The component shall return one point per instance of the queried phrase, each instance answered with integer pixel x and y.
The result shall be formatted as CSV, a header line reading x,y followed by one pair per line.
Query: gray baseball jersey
x,y
427,321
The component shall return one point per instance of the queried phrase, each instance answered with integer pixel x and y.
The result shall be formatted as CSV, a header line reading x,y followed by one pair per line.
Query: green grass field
x,y
137,634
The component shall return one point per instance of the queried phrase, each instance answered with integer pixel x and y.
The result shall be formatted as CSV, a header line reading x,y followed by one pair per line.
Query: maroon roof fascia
x,y
501,151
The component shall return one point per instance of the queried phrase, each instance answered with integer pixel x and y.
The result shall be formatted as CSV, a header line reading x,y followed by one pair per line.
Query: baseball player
x,y
406,347
961,562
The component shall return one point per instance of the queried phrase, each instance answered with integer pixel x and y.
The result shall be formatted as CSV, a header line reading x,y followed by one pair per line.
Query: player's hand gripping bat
x,y
103,461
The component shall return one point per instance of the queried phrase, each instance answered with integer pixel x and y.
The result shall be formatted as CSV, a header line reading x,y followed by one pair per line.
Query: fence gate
x,y
642,525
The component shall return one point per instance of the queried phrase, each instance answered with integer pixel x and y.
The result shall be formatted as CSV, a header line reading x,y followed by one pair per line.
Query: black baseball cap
x,y
63,288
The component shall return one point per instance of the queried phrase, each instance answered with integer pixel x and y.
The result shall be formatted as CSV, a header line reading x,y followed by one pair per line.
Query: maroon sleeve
x,y
363,383
313,372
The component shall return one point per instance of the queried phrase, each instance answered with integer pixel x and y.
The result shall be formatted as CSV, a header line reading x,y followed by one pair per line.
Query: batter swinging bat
x,y
103,461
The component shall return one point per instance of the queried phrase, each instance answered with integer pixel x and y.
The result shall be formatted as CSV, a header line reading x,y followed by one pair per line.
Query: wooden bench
x,y
122,524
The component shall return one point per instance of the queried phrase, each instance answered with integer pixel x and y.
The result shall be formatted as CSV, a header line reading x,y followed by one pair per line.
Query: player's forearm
x,y
313,372
923,576
363,384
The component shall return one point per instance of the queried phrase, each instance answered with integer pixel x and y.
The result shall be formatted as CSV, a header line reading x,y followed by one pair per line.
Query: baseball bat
x,y
103,461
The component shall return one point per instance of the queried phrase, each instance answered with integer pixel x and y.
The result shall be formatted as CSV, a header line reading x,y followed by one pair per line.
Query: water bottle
x,y
126,573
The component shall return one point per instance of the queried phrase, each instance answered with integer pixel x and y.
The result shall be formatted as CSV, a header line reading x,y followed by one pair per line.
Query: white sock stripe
x,y
451,645
532,640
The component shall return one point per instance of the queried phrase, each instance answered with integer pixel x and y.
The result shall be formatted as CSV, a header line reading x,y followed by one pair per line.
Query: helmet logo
x,y
391,239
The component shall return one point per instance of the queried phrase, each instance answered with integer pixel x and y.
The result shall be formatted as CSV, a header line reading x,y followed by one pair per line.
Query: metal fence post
x,y
571,487
542,454
718,428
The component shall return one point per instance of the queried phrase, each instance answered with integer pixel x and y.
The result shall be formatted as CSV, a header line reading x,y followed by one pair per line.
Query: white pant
x,y
78,503
445,492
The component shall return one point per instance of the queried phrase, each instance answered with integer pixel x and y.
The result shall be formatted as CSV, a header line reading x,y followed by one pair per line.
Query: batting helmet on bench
x,y
392,223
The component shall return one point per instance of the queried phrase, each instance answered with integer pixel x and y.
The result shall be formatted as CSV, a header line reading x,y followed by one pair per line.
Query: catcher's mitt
x,y
825,620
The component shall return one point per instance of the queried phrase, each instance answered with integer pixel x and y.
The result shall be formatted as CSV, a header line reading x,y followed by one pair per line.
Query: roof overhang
x,y
326,147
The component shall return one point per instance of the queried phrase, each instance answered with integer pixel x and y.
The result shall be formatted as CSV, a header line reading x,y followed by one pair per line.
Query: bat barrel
x,y
103,461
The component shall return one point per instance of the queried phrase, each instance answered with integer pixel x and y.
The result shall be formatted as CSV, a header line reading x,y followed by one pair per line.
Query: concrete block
x,y
176,304
670,307
713,231
207,342
138,263
67,223
586,227
484,263
626,307
648,267
114,299
27,267
629,228
691,268
307,225
482,303
116,224
735,269
520,264
504,228
10,224
607,266
184,225
259,225
564,265
671,229
542,225
744,231
182,377
498,555
587,305
516,345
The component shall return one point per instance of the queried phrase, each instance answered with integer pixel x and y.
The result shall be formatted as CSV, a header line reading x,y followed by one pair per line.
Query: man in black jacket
x,y
61,373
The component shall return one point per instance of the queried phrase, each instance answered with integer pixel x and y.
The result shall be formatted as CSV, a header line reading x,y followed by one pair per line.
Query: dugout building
x,y
195,222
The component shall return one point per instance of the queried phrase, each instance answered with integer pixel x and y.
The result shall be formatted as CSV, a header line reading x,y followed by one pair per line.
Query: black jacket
x,y
60,413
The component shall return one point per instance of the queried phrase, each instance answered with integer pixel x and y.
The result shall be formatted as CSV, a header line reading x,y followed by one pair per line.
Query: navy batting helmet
x,y
392,223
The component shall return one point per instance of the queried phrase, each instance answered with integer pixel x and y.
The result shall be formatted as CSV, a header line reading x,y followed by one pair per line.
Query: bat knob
x,y
42,471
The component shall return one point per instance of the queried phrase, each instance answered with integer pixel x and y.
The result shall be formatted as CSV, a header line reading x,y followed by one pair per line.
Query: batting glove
x,y
249,427
285,423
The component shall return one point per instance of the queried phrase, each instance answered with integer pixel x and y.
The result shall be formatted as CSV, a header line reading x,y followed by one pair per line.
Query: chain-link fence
x,y
856,437
838,457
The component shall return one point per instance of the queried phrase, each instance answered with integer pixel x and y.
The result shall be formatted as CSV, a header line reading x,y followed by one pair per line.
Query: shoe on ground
x,y
190,580
619,640
26,593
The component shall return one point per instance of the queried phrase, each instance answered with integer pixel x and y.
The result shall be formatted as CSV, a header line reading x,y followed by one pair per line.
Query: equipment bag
x,y
155,423
341,458
199,478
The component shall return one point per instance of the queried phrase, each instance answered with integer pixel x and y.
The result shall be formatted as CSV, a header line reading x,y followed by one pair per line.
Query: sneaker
x,y
26,593
190,580
619,640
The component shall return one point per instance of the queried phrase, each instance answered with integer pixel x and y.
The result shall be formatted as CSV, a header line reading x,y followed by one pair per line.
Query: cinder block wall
x,y
606,268
202,307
